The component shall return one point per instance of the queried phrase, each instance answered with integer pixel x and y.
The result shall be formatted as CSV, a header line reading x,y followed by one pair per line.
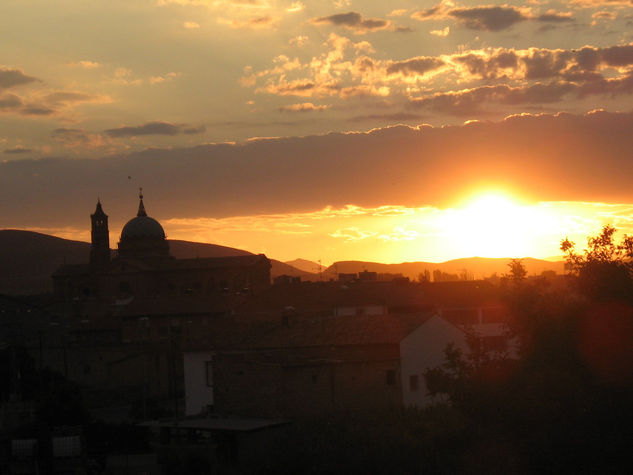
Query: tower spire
x,y
100,242
141,207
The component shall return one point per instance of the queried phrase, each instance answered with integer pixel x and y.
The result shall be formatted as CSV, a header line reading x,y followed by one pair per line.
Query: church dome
x,y
143,237
142,226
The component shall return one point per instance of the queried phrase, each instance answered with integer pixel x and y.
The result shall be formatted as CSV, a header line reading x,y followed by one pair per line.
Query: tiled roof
x,y
171,306
325,331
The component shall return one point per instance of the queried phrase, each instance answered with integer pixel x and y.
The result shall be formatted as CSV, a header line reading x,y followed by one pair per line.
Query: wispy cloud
x,y
492,18
11,77
17,150
303,107
153,128
79,139
353,21
85,64
254,23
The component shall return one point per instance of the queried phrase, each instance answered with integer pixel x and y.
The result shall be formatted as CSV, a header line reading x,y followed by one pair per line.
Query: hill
x,y
283,268
306,266
28,259
477,267
190,250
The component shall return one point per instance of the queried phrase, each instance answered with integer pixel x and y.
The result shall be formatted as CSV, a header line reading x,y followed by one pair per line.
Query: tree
x,y
518,272
605,270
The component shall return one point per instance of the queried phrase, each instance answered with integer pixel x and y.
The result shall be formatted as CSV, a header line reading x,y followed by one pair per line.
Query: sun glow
x,y
486,225
495,225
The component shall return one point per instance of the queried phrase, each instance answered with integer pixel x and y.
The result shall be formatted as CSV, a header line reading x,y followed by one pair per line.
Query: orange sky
x,y
330,130
486,225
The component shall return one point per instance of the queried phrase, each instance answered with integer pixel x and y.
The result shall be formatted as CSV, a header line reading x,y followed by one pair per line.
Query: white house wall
x,y
422,349
198,393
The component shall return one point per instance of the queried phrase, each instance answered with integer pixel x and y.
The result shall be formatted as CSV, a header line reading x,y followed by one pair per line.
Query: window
x,y
391,377
413,382
208,370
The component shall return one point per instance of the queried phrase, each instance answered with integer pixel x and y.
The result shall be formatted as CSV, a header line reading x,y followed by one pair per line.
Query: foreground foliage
x,y
564,405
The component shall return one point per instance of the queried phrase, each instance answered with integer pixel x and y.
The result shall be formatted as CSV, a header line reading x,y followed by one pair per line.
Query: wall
x,y
198,392
307,382
246,386
423,349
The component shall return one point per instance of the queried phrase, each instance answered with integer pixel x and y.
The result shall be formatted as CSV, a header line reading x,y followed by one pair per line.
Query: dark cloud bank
x,y
562,157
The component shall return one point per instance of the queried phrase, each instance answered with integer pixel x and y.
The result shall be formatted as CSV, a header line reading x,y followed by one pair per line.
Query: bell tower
x,y
100,248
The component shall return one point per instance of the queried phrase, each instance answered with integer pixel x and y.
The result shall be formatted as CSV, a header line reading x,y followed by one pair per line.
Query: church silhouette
x,y
143,267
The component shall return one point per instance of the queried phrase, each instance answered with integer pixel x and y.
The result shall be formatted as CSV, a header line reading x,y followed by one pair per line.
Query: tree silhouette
x,y
604,270
518,272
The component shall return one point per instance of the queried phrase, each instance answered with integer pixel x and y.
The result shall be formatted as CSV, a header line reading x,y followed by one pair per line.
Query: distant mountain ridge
x,y
477,267
28,259
306,265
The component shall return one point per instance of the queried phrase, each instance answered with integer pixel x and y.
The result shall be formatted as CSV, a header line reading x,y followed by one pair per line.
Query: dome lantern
x,y
143,236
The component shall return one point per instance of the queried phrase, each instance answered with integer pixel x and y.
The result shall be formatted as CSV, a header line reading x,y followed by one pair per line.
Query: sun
x,y
494,224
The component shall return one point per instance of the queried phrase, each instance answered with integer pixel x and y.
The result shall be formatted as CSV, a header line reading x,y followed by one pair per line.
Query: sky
x,y
327,130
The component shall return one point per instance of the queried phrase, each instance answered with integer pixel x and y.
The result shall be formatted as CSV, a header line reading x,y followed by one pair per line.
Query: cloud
x,y
552,16
617,55
63,98
255,23
442,33
295,7
352,234
415,66
124,77
400,233
10,77
153,128
37,110
191,25
222,4
353,21
10,102
298,87
193,130
488,18
398,12
79,139
85,64
298,40
584,64
400,165
604,15
599,3
18,150
343,70
389,118
494,76
49,103
488,64
482,100
160,79
303,107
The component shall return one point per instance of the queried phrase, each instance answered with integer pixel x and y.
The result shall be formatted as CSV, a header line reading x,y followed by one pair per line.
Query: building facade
x,y
143,268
